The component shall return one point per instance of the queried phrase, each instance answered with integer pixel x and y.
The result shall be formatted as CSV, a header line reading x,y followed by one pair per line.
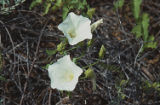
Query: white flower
x,y
76,28
64,74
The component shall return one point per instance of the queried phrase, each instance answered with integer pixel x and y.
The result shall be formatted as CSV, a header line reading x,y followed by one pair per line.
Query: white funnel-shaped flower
x,y
64,74
76,28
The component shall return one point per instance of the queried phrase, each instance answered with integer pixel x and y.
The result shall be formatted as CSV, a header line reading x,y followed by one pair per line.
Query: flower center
x,y
72,33
69,77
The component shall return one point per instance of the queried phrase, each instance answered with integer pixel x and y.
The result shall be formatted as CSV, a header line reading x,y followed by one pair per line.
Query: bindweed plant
x,y
64,73
65,5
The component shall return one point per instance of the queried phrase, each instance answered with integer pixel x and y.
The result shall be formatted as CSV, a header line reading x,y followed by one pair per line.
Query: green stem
x,y
91,64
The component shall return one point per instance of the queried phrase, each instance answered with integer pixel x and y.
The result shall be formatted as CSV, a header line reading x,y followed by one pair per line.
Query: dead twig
x,y
50,94
10,37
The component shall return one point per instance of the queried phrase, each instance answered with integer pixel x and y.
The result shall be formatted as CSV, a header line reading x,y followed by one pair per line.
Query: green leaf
x,y
89,43
57,5
123,82
123,96
74,2
61,46
151,38
102,52
118,4
151,43
51,52
46,8
2,78
46,67
84,2
137,30
35,3
65,12
136,8
90,12
156,85
71,7
145,25
80,5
